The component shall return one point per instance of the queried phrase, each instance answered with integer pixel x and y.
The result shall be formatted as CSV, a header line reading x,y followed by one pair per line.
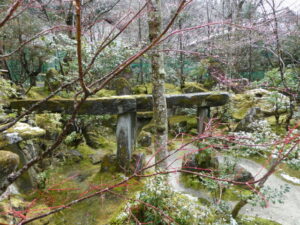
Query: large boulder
x,y
260,98
20,132
8,163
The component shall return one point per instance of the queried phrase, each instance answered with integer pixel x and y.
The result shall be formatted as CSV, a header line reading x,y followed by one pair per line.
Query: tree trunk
x,y
158,81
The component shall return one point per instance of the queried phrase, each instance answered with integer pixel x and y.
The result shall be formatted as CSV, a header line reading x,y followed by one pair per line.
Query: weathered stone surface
x,y
8,163
261,98
205,99
126,133
252,115
126,103
97,106
20,132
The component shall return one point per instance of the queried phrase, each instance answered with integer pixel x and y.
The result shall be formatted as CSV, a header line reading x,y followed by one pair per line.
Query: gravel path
x,y
286,214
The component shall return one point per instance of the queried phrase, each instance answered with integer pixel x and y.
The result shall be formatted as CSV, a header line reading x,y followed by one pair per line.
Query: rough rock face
x,y
20,132
260,98
8,163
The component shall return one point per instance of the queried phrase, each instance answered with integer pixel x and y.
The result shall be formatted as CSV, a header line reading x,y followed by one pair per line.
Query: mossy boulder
x,y
51,123
145,139
8,163
193,87
182,124
261,98
19,132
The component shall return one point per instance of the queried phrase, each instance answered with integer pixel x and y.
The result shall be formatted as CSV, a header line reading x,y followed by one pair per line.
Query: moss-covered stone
x,y
261,98
193,87
182,124
145,139
20,131
8,163
122,86
50,122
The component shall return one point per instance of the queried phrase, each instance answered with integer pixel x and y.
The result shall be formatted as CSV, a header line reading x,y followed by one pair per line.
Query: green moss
x,y
37,93
234,193
147,89
241,105
106,93
50,122
193,87
182,123
122,86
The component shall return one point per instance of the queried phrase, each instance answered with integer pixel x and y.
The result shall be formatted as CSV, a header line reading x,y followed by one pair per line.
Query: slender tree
x,y
158,81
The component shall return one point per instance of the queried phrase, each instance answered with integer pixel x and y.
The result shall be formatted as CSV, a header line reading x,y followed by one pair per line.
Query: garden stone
x,y
145,139
8,163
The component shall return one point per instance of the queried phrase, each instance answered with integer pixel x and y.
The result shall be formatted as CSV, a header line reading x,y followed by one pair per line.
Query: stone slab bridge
x,y
126,107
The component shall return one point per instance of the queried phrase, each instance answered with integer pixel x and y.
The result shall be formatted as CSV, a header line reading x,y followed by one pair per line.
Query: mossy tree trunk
x,y
158,81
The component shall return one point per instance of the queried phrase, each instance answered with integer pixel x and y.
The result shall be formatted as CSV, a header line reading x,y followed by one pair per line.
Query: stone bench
x,y
126,107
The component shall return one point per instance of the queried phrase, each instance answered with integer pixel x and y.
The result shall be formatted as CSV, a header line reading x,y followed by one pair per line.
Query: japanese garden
x,y
154,112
